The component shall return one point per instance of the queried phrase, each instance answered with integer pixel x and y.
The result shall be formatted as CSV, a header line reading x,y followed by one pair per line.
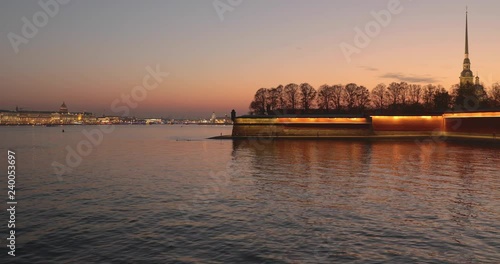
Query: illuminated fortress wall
x,y
301,127
481,124
414,125
453,124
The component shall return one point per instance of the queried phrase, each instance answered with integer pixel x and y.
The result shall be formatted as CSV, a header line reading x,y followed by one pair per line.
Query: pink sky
x,y
92,52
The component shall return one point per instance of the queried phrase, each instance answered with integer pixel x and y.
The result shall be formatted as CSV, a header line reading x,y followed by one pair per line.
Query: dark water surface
x,y
164,194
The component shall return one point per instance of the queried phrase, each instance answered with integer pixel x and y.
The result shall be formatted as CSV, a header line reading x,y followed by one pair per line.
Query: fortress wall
x,y
404,125
477,124
301,127
248,130
453,124
328,130
300,130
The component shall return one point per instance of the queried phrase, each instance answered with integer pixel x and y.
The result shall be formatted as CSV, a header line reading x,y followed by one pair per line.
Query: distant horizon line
x,y
104,115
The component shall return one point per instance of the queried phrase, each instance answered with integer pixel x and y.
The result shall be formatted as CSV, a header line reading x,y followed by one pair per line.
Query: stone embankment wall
x,y
485,124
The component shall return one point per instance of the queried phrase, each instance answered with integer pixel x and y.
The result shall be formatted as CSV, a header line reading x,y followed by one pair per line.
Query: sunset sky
x,y
91,52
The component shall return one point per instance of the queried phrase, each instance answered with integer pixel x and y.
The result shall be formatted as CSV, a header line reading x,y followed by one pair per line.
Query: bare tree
x,y
273,99
337,95
254,108
350,96
428,94
378,96
307,96
398,93
404,92
325,97
442,99
393,93
415,93
362,97
291,95
259,103
495,95
281,97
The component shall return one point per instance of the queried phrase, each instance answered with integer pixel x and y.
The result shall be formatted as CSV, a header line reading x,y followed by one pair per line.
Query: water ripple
x,y
143,196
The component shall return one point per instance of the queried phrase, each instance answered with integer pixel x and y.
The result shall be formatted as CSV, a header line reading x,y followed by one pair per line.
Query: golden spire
x,y
466,32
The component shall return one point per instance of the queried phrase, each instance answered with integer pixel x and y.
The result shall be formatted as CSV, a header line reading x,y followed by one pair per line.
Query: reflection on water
x,y
166,195
357,200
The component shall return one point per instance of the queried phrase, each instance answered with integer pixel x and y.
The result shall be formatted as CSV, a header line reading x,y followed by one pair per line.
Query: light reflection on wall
x,y
472,115
318,120
479,123
302,120
407,123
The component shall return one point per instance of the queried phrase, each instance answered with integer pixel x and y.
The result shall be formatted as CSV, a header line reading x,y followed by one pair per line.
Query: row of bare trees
x,y
395,98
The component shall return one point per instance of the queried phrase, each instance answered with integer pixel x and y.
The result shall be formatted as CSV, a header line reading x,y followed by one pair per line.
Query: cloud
x,y
410,78
368,68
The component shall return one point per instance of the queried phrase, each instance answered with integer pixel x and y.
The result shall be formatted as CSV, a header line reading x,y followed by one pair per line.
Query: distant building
x,y
213,118
467,77
61,117
107,120
63,108
153,121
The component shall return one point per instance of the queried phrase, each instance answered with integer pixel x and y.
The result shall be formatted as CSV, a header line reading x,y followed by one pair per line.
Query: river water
x,y
166,194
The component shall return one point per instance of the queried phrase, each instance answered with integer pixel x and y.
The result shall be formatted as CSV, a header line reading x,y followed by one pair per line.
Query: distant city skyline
x,y
90,54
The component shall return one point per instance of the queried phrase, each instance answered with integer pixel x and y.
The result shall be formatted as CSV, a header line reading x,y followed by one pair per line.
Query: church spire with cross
x,y
466,76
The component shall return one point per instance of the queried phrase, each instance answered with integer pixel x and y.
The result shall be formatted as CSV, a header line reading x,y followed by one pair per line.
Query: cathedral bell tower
x,y
467,77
